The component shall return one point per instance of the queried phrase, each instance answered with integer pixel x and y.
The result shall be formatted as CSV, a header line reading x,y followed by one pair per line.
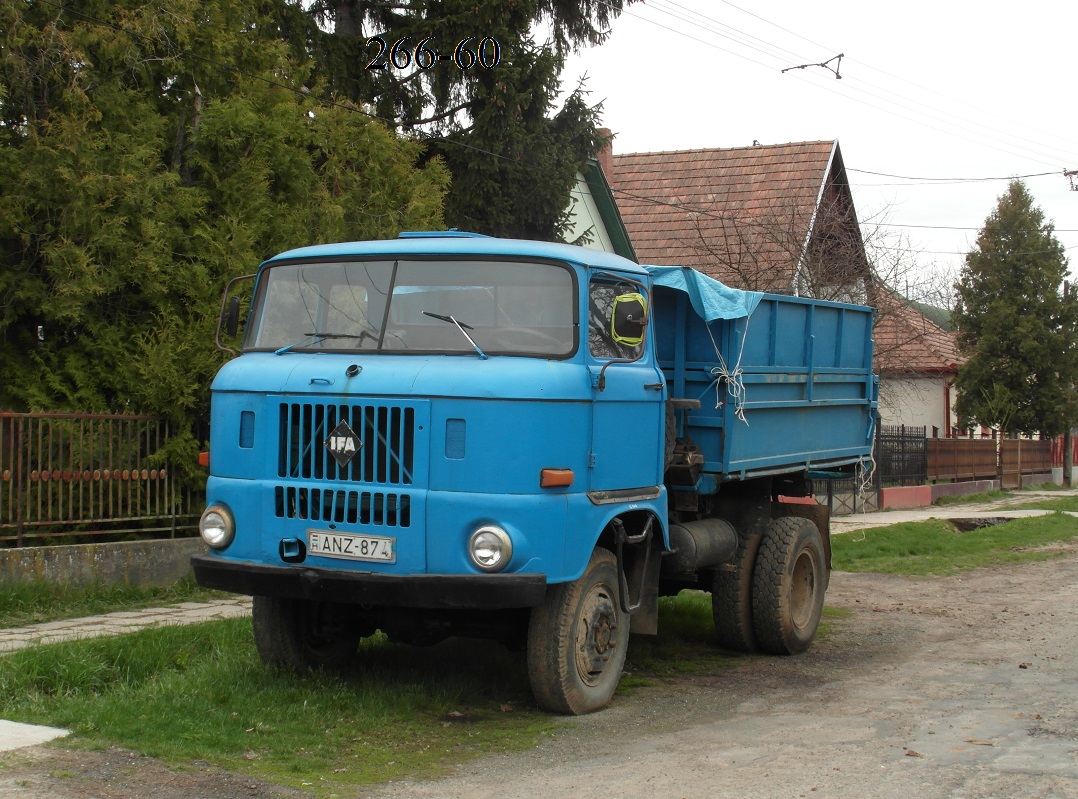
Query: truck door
x,y
628,408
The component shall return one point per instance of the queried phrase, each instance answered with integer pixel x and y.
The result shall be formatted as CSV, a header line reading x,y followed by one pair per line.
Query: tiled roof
x,y
907,341
741,215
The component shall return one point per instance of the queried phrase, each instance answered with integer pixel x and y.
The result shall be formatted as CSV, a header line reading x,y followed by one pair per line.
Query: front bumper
x,y
434,591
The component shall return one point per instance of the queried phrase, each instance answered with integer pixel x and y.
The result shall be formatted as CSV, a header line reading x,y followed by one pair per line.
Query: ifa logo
x,y
342,443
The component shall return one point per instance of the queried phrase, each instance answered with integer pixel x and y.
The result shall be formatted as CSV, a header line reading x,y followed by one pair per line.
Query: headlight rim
x,y
228,526
506,548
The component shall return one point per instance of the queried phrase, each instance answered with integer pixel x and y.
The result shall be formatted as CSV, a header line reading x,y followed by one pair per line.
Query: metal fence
x,y
901,455
65,474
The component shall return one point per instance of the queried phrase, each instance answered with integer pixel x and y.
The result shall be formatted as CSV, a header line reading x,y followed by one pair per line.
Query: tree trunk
x,y
1068,460
349,18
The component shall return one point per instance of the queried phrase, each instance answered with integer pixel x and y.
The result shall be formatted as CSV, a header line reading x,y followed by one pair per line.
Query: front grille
x,y
386,454
344,507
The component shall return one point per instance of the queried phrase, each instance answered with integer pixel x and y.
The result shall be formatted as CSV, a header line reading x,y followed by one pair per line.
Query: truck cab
x,y
423,428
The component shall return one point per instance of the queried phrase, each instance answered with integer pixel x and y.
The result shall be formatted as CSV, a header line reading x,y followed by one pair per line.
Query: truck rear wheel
x,y
577,640
731,596
302,634
788,586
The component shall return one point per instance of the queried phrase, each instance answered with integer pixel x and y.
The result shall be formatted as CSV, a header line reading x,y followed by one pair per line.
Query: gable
x,y
594,218
760,218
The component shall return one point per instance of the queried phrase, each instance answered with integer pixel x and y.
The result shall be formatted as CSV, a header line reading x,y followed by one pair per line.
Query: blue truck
x,y
449,434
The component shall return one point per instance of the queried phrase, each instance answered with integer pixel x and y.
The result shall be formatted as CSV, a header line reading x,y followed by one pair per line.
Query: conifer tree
x,y
513,153
148,154
1015,325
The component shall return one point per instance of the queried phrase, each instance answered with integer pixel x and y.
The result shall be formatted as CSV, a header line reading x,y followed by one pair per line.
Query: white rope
x,y
735,383
867,470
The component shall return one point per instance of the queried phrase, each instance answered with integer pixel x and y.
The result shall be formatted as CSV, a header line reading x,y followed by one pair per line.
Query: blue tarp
x,y
710,299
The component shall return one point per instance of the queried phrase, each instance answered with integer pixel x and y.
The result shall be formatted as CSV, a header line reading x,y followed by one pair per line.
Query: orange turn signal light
x,y
204,459
555,478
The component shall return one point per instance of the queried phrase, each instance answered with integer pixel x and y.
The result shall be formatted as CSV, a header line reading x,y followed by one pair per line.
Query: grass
x,y
1069,503
970,499
685,643
935,547
201,693
33,602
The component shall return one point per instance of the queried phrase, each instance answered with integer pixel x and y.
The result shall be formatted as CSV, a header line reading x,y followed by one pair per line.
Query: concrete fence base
x,y
963,489
128,562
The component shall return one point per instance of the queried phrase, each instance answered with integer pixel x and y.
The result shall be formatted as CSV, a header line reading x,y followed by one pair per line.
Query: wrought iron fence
x,y
901,455
80,474
846,496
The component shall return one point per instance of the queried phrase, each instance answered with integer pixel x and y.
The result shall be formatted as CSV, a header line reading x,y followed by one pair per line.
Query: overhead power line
x,y
951,180
914,110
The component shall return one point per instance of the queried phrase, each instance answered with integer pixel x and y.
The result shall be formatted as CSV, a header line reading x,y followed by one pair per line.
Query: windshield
x,y
476,307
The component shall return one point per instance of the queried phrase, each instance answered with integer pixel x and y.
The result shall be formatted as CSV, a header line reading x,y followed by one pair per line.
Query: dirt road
x,y
956,687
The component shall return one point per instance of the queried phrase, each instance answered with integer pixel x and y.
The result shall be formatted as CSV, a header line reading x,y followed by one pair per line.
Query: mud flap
x,y
638,568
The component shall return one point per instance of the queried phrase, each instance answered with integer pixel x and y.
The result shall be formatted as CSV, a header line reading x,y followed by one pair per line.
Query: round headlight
x,y
490,548
217,527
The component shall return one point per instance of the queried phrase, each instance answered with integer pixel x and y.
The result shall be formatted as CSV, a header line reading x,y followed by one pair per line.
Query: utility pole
x,y
1068,445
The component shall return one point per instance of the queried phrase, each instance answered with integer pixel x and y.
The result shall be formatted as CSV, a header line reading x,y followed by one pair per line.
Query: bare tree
x,y
842,260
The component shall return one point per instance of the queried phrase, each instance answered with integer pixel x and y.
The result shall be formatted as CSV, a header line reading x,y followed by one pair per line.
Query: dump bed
x,y
787,387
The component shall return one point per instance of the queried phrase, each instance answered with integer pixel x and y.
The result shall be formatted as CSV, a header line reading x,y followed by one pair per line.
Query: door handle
x,y
656,386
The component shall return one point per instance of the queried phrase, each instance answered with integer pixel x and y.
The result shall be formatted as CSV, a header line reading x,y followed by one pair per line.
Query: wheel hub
x,y
803,590
596,633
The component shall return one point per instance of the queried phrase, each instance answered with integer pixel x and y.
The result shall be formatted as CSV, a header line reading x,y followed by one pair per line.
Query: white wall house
x,y
917,362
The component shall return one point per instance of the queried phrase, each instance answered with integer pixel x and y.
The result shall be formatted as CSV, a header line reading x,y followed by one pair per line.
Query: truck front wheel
x,y
788,586
302,634
577,640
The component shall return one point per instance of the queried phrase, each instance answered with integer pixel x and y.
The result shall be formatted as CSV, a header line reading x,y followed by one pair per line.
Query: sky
x,y
939,103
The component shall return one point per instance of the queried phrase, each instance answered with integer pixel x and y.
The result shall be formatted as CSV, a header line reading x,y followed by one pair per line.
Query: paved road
x,y
126,621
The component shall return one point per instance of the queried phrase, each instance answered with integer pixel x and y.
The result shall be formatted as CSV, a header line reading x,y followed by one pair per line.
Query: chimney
x,y
606,154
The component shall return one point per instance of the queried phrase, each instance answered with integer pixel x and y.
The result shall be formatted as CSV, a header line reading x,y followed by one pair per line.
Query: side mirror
x,y
628,318
230,319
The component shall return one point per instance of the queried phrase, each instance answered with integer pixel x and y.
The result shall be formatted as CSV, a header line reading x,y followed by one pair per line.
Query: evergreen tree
x,y
513,155
148,154
1015,325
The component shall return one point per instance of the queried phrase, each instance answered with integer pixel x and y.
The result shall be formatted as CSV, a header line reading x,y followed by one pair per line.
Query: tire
x,y
577,641
788,586
731,597
302,634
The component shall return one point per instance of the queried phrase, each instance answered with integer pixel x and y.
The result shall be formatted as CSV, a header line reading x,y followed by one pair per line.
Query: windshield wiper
x,y
461,327
312,337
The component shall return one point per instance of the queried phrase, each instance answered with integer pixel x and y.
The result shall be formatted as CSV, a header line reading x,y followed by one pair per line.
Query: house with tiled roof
x,y
777,218
917,362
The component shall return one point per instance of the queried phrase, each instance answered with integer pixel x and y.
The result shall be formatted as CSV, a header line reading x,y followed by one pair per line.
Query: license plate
x,y
352,547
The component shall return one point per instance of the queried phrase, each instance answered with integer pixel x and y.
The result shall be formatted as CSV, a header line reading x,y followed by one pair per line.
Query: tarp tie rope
x,y
867,469
735,384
